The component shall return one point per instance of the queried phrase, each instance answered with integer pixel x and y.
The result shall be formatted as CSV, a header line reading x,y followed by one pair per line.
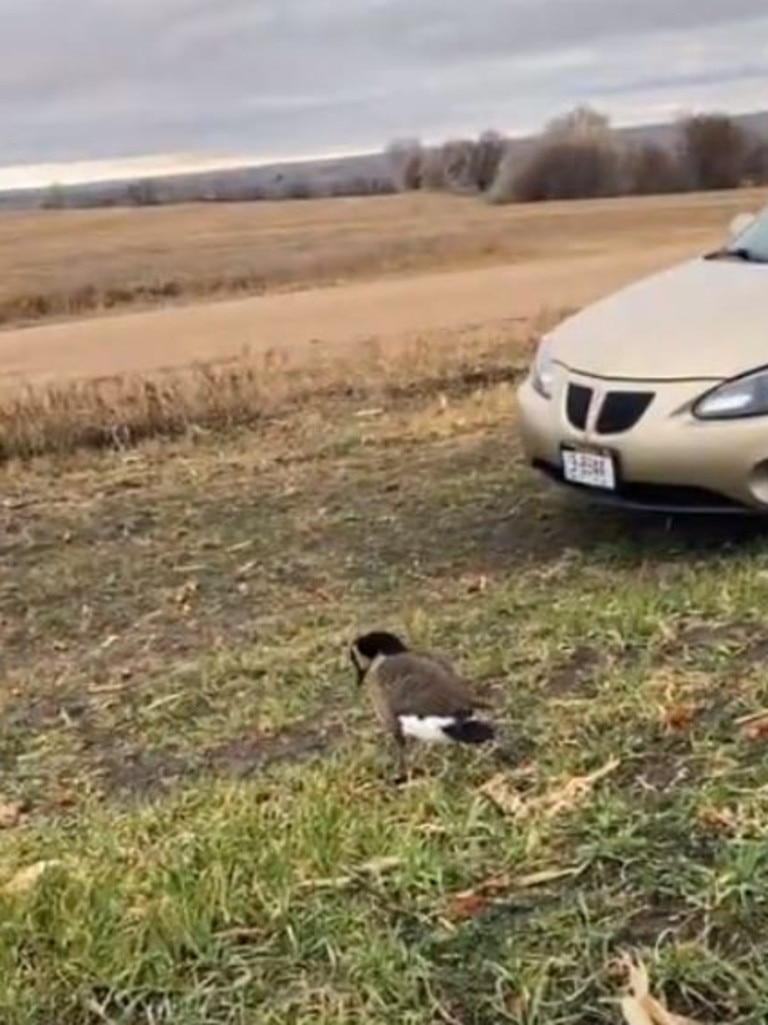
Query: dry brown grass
x,y
63,263
120,412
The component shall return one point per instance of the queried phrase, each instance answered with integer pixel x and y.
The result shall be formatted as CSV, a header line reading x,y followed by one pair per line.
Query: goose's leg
x,y
401,769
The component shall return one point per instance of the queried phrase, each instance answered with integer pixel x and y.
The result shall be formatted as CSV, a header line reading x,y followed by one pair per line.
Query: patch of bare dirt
x,y
575,673
252,753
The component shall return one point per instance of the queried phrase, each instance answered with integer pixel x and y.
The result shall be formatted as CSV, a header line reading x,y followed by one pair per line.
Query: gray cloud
x,y
87,78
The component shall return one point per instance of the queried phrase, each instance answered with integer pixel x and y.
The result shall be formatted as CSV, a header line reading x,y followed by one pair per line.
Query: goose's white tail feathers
x,y
438,729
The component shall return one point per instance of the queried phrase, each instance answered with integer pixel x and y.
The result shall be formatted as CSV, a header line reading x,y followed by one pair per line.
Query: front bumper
x,y
667,460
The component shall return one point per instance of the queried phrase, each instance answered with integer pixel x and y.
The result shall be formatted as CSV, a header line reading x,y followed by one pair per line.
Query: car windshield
x,y
752,244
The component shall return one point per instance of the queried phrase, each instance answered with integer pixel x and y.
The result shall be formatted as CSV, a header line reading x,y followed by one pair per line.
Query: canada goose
x,y
417,694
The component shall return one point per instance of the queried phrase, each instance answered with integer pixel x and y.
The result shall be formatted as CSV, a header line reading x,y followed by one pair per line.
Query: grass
x,y
180,734
58,264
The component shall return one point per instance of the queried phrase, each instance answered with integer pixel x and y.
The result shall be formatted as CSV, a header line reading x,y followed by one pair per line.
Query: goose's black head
x,y
368,647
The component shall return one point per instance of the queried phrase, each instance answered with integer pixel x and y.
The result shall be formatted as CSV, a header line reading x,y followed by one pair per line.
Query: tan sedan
x,y
657,396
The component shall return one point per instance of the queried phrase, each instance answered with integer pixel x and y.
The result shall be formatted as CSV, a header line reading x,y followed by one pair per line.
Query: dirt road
x,y
174,337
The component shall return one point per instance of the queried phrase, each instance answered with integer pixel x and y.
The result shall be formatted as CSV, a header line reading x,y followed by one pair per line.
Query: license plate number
x,y
590,469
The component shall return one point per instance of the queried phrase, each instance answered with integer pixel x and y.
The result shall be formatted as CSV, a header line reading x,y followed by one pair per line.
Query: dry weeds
x,y
119,413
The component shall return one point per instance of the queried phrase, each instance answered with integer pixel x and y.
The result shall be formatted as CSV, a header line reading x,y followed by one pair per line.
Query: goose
x,y
417,694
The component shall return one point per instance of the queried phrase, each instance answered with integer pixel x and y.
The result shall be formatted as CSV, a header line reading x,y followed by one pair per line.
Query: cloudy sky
x,y
82,79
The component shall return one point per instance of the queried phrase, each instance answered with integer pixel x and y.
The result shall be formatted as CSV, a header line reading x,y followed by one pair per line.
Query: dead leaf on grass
x,y
431,829
184,594
477,585
754,727
679,716
501,792
516,1004
564,797
719,820
546,875
246,569
640,1007
27,878
468,905
64,797
493,890
376,866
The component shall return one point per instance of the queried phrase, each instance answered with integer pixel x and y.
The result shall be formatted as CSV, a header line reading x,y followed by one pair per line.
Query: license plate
x,y
591,469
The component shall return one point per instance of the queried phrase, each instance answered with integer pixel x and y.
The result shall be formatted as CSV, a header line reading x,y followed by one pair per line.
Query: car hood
x,y
701,319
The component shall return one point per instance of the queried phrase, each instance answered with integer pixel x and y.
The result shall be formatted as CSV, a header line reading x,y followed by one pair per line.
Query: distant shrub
x,y
297,188
142,193
568,169
575,158
55,198
363,185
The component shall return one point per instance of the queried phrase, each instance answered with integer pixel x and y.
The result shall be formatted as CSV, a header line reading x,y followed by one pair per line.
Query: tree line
x,y
580,156
577,156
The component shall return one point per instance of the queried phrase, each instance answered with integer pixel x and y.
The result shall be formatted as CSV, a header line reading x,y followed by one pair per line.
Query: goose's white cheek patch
x,y
430,728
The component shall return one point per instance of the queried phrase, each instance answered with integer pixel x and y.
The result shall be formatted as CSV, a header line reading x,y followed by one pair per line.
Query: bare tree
x,y
458,159
433,169
651,169
405,160
488,156
756,161
459,165
576,157
582,124
714,150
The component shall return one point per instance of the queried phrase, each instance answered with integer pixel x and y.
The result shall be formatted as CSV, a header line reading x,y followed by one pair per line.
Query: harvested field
x,y
56,264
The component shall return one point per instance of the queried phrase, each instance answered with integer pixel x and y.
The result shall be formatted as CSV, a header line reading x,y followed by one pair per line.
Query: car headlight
x,y
745,396
543,370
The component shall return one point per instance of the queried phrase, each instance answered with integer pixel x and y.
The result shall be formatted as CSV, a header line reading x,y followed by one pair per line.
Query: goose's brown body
x,y
418,685
417,694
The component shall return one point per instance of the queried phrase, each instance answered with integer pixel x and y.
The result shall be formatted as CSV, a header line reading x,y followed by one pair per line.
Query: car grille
x,y
577,405
621,410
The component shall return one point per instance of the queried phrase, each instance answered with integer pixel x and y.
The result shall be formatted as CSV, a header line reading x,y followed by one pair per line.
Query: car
x,y
656,397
